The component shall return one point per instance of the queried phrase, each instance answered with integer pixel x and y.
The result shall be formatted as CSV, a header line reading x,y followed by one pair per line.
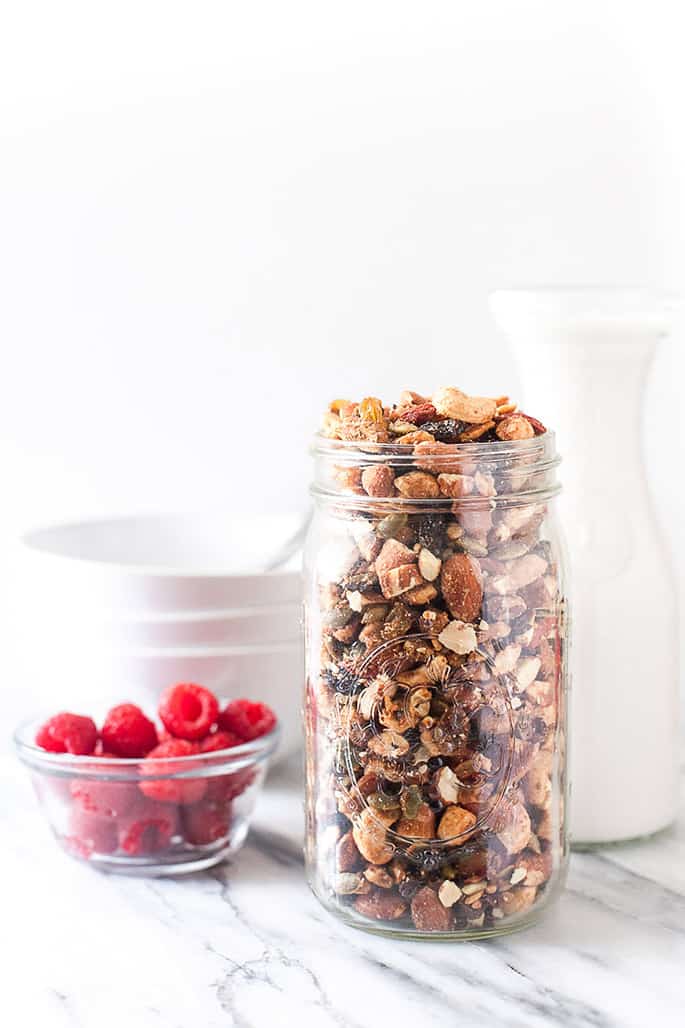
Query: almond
x,y
422,826
455,486
474,410
515,426
462,586
456,822
348,857
371,838
381,905
428,913
378,480
417,485
436,457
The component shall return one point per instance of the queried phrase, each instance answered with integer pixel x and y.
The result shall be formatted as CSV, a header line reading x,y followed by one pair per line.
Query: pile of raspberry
x,y
153,813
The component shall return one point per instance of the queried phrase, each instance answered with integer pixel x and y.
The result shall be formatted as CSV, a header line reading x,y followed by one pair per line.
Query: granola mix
x,y
436,680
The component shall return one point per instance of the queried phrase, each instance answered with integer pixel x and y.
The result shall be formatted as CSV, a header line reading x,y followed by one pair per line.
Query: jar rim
x,y
503,449
535,458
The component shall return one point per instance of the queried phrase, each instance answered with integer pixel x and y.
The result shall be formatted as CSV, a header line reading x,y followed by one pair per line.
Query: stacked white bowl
x,y
119,609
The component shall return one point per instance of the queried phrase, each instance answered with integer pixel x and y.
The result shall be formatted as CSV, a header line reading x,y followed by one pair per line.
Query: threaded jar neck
x,y
511,473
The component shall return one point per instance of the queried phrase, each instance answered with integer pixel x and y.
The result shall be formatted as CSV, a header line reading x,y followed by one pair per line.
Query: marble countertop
x,y
247,945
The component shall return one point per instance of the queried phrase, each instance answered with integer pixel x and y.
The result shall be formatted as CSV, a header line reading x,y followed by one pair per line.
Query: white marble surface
x,y
247,945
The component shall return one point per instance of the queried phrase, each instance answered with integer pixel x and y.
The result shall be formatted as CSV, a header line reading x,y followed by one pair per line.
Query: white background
x,y
215,217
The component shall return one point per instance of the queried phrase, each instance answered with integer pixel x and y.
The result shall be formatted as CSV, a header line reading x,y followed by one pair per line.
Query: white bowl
x,y
143,565
260,626
272,674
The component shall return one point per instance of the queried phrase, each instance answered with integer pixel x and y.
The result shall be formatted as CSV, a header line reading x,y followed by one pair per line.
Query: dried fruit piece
x,y
447,430
419,413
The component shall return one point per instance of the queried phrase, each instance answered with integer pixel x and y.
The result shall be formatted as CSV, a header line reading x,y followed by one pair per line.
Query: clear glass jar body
x,y
435,704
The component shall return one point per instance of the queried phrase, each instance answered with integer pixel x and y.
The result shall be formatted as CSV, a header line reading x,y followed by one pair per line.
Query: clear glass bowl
x,y
155,817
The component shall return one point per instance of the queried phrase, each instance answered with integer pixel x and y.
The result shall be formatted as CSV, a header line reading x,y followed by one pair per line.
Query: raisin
x,y
430,531
446,431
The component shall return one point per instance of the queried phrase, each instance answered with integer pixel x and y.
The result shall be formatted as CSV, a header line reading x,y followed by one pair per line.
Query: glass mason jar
x,y
435,704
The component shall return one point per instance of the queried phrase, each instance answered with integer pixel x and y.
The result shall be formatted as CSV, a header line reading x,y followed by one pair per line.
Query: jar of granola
x,y
437,635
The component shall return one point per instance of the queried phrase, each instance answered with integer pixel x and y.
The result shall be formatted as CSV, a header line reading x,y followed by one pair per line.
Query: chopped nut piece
x,y
389,744
454,404
459,637
420,594
350,883
455,486
429,564
526,672
447,785
449,893
399,580
379,876
485,484
518,875
516,901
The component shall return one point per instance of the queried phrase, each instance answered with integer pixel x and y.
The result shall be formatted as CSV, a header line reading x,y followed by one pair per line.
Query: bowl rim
x,y
30,542
210,764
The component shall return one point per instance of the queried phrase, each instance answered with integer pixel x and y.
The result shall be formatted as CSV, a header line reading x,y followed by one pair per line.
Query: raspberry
x,y
228,787
127,732
90,833
107,799
207,822
188,711
67,733
171,790
148,829
219,741
247,719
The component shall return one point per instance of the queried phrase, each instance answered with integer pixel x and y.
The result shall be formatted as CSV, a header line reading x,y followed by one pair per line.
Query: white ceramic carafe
x,y
584,356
